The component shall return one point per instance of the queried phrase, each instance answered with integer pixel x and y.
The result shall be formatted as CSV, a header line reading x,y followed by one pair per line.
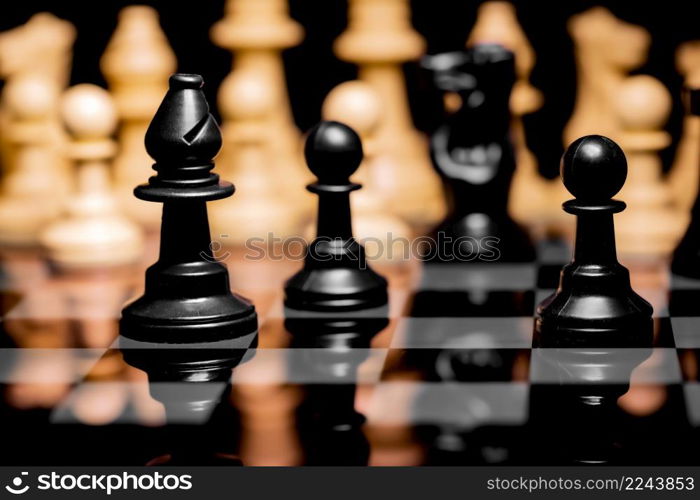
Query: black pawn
x,y
187,297
335,276
594,304
473,154
686,257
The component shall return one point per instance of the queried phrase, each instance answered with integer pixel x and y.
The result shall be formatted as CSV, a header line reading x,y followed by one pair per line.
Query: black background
x,y
313,70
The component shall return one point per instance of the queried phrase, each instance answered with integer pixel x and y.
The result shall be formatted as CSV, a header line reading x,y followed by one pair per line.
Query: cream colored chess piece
x,y
649,227
137,64
379,39
606,49
261,205
92,233
34,187
683,176
41,47
496,22
256,32
384,235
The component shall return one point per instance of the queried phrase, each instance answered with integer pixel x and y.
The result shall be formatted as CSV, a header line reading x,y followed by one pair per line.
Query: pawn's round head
x,y
88,112
333,152
593,168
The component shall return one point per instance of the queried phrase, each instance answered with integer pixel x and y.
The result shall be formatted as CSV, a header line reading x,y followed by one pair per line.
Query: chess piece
x,y
650,226
379,39
686,257
497,22
136,65
41,47
606,49
384,236
256,32
473,154
594,330
262,208
335,276
188,297
33,190
594,303
92,233
683,177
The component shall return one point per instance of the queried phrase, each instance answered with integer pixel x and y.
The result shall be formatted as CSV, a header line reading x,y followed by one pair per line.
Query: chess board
x,y
452,379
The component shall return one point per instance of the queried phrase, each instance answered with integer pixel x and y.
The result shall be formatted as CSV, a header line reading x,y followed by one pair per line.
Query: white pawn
x,y
261,205
92,233
33,189
385,236
379,39
137,64
649,227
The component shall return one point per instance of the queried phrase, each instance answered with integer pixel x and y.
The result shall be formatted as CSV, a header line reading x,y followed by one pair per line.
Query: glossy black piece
x,y
187,296
594,304
474,157
335,276
328,349
686,257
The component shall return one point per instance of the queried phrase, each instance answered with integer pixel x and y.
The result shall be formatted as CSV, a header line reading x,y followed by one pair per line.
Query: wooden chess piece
x,y
136,65
256,32
384,235
40,47
606,50
683,177
379,39
92,233
33,190
650,227
497,22
262,206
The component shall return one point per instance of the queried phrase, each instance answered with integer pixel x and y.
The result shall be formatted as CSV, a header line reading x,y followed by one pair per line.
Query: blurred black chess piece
x,y
686,257
326,351
188,330
334,306
472,153
594,330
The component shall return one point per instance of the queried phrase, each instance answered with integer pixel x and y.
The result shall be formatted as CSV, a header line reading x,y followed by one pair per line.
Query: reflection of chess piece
x,y
136,64
34,188
327,351
607,49
683,178
190,383
379,39
384,235
92,233
261,206
256,32
497,23
649,227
